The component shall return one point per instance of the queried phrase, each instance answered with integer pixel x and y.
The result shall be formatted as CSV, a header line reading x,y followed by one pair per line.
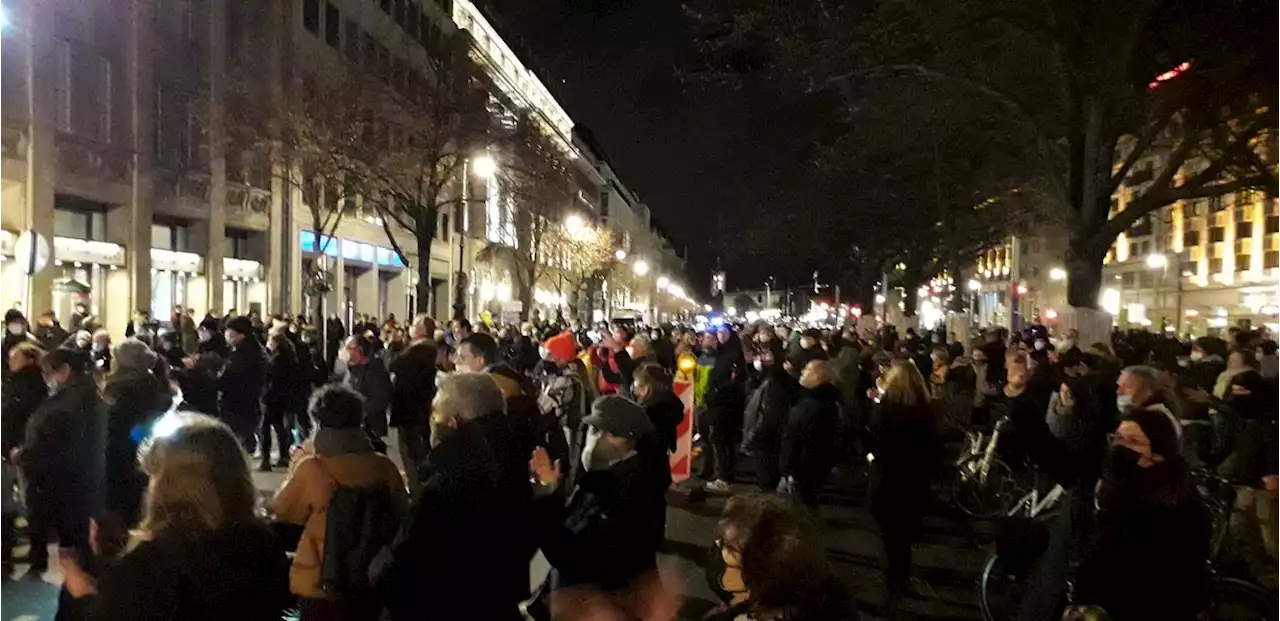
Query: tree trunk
x,y
910,300
423,302
864,292
526,301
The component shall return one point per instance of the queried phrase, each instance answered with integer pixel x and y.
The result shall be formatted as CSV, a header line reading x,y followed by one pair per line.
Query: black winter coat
x,y
287,385
665,411
133,400
64,453
766,412
724,397
413,384
463,496
908,455
373,383
809,435
185,576
242,382
24,391
1168,535
610,532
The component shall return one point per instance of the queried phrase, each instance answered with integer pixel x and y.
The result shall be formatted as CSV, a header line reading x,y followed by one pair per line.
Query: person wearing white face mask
x,y
608,536
15,324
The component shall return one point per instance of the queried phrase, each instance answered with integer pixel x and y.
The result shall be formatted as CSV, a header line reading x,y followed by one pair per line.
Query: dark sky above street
x,y
619,67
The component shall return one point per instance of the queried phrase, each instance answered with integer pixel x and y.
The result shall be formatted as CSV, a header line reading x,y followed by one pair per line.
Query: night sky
x,y
621,69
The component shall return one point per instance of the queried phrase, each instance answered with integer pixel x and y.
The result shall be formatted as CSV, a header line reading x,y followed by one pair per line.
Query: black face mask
x,y
1122,461
715,569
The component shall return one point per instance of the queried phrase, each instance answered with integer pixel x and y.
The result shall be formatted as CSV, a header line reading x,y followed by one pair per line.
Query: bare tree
x,y
537,194
435,125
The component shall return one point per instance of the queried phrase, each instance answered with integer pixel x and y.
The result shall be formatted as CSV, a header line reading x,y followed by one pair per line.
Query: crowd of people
x,y
518,438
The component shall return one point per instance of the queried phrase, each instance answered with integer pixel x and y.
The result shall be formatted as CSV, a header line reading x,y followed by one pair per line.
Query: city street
x,y
947,562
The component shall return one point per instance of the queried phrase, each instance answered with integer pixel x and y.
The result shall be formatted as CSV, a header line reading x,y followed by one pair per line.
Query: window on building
x,y
1215,266
1216,204
62,88
106,90
80,223
332,25
1191,238
1244,229
236,245
1217,233
1271,260
443,231
500,215
352,41
168,237
311,16
1273,224
1243,262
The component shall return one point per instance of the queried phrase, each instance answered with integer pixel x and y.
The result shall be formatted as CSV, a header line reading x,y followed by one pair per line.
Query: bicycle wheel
x,y
1231,599
1000,590
985,496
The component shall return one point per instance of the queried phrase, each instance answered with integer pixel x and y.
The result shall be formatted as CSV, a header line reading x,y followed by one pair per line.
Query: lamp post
x,y
1161,262
484,166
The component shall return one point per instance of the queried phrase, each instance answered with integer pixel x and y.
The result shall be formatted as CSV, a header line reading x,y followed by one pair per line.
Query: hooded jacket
x,y
809,435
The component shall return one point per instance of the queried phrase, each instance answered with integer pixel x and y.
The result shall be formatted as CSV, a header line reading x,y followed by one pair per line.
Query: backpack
x,y
361,521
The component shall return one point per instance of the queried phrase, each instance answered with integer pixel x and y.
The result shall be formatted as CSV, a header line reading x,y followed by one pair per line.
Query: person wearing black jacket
x,y
808,449
766,415
285,383
63,457
724,403
609,534
908,452
369,377
413,386
24,391
15,332
468,519
652,387
135,398
242,381
49,332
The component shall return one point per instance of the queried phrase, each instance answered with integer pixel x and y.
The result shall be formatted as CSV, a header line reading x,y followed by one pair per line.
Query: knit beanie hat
x,y
1159,429
561,347
134,355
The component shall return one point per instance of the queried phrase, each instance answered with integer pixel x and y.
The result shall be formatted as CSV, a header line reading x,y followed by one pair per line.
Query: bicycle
x,y
1230,598
984,486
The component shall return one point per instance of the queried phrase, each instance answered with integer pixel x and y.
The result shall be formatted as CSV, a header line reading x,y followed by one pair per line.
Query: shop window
x,y
311,16
332,25
236,246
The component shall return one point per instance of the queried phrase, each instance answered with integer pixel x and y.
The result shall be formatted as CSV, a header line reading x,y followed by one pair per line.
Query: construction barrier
x,y
682,458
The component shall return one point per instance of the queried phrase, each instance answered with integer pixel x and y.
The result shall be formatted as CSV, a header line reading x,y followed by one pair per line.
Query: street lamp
x,y
620,255
1157,261
974,285
663,283
1057,273
574,224
483,166
641,267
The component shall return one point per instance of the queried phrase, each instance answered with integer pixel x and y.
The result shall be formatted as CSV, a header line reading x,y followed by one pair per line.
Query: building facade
x,y
116,152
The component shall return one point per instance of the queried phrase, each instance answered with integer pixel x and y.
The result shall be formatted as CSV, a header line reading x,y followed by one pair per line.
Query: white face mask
x,y
16,329
227,335
1039,345
759,364
98,347
1197,355
594,454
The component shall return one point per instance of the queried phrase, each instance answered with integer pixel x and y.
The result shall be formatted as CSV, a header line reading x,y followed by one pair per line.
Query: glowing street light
x,y
620,255
574,224
484,166
677,291
663,283
975,285
1157,261
1057,273
641,267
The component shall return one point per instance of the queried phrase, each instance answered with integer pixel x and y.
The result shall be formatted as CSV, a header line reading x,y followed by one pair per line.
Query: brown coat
x,y
304,500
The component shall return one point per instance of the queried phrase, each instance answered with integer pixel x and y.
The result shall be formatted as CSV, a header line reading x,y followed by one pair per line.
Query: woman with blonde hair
x,y
906,453
200,552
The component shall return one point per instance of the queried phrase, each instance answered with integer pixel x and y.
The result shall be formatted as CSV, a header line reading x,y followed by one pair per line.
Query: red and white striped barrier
x,y
682,458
